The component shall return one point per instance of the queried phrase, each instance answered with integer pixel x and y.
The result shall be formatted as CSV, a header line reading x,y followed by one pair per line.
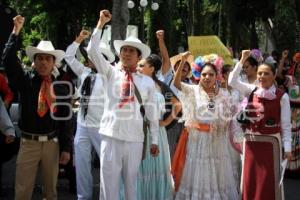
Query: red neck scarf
x,y
46,97
127,86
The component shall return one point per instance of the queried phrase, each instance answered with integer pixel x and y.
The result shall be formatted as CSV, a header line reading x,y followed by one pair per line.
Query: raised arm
x,y
11,62
177,78
76,66
286,125
160,34
284,56
102,65
234,80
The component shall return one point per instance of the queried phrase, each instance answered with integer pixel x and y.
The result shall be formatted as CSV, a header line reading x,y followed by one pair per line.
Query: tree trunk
x,y
120,19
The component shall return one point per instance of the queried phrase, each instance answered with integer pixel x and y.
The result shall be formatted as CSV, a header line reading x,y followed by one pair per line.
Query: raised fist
x,y
84,34
18,23
245,55
105,16
185,56
160,34
285,54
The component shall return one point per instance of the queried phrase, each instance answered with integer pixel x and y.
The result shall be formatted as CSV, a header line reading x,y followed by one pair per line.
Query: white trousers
x,y
119,159
85,138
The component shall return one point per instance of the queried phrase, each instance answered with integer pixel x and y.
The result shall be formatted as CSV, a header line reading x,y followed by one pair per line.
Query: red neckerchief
x,y
127,86
46,97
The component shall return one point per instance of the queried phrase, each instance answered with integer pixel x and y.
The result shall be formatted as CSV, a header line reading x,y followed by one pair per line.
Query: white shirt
x,y
246,89
97,98
124,123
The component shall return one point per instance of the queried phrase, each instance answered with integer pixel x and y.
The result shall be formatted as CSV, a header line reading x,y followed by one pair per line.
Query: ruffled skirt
x,y
208,173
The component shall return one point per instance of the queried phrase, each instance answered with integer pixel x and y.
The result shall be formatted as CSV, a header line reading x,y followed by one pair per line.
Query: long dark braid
x,y
155,61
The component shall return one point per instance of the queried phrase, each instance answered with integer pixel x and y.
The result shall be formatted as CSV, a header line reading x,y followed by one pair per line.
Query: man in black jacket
x,y
45,117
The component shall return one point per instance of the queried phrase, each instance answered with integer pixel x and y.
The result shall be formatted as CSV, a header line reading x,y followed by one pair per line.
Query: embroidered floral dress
x,y
208,173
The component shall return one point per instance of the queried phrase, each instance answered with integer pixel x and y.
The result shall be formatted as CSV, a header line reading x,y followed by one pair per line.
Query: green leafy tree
x,y
285,24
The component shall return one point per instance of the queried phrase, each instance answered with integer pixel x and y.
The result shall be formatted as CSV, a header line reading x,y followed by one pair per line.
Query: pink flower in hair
x,y
217,61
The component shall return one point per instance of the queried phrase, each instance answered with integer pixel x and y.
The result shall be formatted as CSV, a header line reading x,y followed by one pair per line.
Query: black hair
x,y
253,62
226,69
187,63
275,53
34,56
272,67
208,64
155,61
83,52
138,51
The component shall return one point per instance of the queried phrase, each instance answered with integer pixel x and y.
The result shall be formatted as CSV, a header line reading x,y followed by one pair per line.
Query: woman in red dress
x,y
267,129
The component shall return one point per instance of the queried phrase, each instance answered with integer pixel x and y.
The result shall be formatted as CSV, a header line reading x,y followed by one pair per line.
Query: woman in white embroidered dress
x,y
208,172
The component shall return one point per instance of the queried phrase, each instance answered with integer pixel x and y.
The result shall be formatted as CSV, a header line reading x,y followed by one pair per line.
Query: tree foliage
x,y
58,21
285,24
236,22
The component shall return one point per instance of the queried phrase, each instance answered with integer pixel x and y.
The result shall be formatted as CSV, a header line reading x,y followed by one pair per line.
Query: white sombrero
x,y
133,42
45,47
105,49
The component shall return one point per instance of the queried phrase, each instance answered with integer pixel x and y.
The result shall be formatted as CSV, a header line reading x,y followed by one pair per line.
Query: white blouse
x,y
246,89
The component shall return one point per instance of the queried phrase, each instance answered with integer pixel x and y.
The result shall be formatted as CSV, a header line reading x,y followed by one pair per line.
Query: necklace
x,y
211,105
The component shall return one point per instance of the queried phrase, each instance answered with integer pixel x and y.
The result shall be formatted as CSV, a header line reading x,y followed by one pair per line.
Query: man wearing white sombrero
x,y
44,116
92,89
121,126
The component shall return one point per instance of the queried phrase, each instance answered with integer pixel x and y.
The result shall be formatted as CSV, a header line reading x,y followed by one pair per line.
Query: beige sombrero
x,y
45,47
177,58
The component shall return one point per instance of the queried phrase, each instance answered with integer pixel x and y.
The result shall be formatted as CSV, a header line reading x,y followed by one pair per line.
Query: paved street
x,y
292,186
8,176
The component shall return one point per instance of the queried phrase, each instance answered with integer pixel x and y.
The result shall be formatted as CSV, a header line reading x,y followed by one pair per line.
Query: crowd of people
x,y
164,128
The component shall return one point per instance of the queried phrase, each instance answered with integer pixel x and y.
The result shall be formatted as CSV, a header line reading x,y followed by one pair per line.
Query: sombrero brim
x,y
177,58
58,54
145,50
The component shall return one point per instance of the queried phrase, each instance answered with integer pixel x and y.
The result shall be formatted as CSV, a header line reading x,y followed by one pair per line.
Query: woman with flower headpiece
x,y
208,171
293,168
267,128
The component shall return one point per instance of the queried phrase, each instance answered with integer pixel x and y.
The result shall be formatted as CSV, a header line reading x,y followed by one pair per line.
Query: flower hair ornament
x,y
200,62
197,67
296,58
257,55
216,61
